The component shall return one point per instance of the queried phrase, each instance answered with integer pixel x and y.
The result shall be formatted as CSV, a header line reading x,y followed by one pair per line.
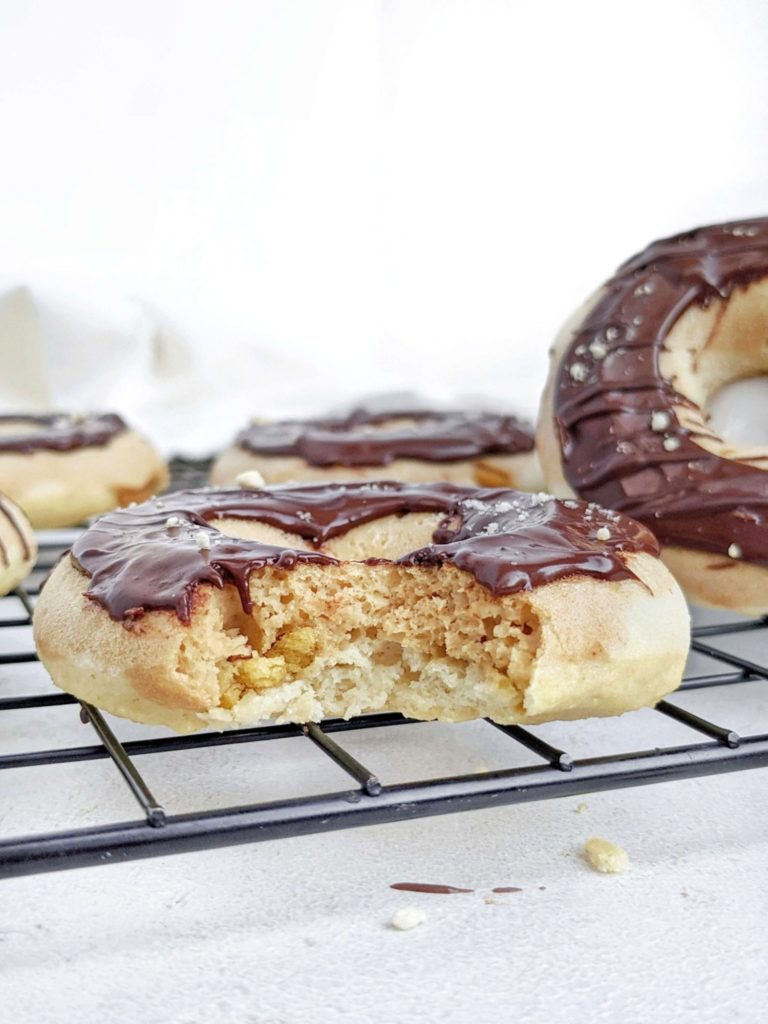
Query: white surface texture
x,y
307,200
299,929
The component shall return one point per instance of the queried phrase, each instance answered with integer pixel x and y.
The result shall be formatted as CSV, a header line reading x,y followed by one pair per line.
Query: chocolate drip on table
x,y
58,432
157,554
610,384
428,887
361,437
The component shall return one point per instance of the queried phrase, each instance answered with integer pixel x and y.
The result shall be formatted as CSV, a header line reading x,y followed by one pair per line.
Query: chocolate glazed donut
x,y
388,439
222,608
624,419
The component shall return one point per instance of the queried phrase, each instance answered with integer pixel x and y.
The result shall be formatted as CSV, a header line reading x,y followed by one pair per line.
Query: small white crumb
x,y
603,533
580,350
491,528
598,349
671,444
582,808
571,504
251,480
203,540
744,231
490,901
624,448
660,421
578,372
173,523
606,857
612,333
734,551
408,917
646,288
637,320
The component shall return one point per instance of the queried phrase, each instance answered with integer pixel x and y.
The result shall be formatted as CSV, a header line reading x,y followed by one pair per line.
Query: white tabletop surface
x,y
298,930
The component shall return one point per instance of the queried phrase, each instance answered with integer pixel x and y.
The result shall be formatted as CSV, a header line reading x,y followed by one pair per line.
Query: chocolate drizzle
x,y
156,555
364,436
58,432
10,513
609,385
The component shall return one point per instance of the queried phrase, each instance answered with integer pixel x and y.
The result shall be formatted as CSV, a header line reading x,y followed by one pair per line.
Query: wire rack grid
x,y
370,799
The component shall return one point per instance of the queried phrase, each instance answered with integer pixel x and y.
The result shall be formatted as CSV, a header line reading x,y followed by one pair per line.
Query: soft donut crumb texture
x,y
605,857
347,639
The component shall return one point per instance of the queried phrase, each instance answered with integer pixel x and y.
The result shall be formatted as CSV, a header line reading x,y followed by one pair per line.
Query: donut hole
x,y
737,412
711,349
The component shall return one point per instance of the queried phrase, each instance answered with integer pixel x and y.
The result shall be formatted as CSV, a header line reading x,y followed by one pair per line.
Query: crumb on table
x,y
408,917
606,857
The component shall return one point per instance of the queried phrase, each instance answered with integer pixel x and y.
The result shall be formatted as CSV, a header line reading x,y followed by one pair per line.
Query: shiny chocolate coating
x,y
609,390
359,438
58,432
156,555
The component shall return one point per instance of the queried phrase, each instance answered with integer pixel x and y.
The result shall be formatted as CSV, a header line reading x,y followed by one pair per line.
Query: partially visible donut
x,y
388,439
63,468
624,417
222,608
18,547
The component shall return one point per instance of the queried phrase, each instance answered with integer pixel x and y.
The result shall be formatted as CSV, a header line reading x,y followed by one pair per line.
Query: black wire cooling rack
x,y
370,800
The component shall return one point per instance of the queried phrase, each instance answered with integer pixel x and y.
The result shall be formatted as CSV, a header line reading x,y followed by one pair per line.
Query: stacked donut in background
x,y
624,423
389,438
63,468
409,576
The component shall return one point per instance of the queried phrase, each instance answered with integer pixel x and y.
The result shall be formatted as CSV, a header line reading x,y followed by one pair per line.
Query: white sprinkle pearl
x,y
598,350
646,288
660,421
612,333
251,480
734,551
603,533
671,444
637,320
578,372
744,231
203,540
173,523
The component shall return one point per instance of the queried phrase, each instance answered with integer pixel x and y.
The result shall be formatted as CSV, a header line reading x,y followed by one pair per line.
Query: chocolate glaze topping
x,y
157,554
58,432
609,385
359,438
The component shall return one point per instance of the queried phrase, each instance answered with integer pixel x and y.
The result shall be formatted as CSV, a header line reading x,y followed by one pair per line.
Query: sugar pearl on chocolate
x,y
603,533
734,551
671,444
251,480
578,372
173,522
598,349
660,421
203,540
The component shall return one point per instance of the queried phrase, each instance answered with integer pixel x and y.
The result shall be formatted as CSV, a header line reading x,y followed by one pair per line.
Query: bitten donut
x,y
63,468
388,439
222,608
624,417
18,547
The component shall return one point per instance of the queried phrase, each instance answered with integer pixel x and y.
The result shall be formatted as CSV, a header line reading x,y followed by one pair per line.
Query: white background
x,y
313,198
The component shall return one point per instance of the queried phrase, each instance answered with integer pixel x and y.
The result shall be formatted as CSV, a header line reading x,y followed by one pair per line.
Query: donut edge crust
x,y
521,471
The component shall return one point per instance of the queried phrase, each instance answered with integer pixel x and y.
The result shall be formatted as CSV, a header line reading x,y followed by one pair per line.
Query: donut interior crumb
x,y
605,857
